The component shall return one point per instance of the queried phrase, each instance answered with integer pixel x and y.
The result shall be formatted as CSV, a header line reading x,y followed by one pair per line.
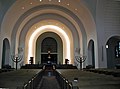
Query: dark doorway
x,y
5,52
113,51
49,44
91,55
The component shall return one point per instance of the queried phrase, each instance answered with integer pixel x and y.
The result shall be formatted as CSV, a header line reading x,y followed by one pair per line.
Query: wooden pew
x,y
91,80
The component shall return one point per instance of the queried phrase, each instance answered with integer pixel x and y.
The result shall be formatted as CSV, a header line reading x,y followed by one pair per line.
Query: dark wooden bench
x,y
114,72
117,66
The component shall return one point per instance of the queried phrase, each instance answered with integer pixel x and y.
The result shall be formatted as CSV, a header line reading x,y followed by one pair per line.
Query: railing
x,y
33,83
64,83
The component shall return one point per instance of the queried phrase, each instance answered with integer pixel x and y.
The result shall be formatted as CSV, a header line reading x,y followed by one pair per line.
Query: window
x,y
117,50
49,44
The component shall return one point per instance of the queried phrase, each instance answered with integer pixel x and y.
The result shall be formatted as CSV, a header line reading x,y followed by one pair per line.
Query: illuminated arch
x,y
52,28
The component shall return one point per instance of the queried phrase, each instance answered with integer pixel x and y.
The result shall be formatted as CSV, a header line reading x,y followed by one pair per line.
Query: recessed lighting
x,y
50,0
59,0
68,4
23,8
76,9
31,3
40,0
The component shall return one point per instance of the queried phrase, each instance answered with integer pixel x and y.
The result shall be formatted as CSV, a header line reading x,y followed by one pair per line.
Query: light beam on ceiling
x,y
54,28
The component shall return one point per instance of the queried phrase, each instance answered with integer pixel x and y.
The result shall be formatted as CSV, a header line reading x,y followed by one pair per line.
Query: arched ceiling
x,y
73,14
48,10
67,6
48,19
55,27
50,28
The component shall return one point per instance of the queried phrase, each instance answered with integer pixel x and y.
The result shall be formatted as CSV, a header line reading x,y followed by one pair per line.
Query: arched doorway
x,y
49,41
5,52
113,51
49,50
91,56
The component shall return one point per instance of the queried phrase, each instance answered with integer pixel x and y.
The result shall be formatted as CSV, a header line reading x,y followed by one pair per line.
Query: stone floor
x,y
90,80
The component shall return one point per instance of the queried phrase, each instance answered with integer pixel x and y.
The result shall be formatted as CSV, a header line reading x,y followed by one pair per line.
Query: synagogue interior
x,y
59,44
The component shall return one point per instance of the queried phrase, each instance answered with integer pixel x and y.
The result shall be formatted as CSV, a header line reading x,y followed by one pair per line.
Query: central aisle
x,y
49,80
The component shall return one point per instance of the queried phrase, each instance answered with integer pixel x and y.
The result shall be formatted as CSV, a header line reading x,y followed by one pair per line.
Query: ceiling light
x,y
76,9
23,8
59,0
31,3
68,4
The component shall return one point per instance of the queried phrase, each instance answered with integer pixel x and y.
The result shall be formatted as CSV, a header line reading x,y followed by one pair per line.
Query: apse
x,y
49,28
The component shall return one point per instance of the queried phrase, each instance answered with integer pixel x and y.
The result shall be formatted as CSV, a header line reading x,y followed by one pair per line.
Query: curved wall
x,y
74,15
59,46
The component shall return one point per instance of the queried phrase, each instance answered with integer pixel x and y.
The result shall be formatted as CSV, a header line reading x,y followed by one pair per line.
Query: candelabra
x,y
16,58
80,59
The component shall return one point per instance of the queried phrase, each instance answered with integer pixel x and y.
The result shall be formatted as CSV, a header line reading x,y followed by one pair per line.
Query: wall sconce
x,y
107,46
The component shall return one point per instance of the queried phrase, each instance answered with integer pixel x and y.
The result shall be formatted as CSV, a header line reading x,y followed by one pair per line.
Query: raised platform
x,y
40,66
64,66
32,66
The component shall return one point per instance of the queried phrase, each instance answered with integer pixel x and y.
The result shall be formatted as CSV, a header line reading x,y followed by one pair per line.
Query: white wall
x,y
107,25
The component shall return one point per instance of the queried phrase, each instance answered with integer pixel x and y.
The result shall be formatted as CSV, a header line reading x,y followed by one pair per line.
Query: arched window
x,y
5,52
49,44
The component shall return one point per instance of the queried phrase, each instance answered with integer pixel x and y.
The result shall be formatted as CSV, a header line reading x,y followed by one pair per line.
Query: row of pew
x,y
90,80
6,70
113,72
17,79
